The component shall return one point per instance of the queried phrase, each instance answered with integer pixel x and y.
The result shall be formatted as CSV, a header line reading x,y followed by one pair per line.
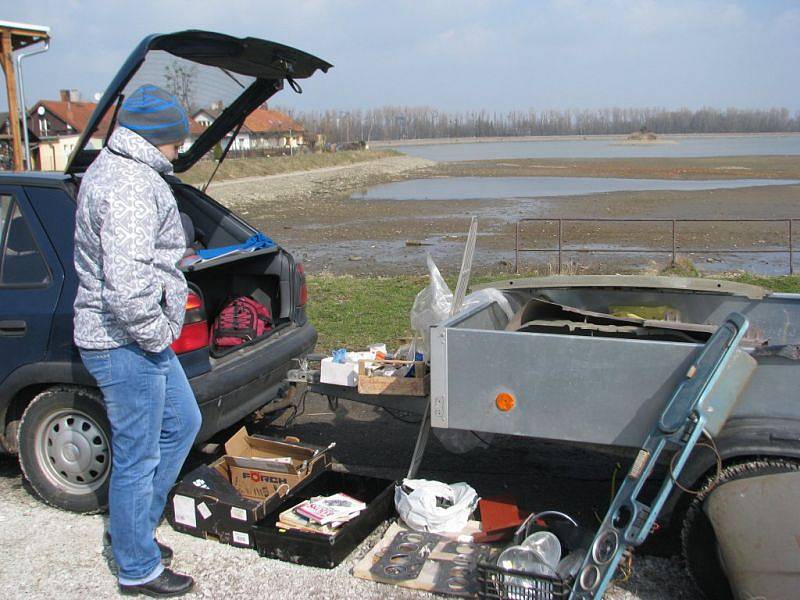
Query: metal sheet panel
x,y
582,389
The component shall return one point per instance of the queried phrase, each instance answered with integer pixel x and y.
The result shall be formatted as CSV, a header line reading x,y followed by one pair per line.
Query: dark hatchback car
x,y
51,414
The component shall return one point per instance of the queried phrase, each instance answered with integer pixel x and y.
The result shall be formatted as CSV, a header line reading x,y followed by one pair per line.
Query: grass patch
x,y
236,168
682,267
775,283
354,312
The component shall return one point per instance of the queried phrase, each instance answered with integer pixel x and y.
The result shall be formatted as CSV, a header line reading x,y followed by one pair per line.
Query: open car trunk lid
x,y
241,74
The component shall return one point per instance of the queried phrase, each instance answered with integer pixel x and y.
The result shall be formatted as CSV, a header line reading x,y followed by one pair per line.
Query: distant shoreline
x,y
375,144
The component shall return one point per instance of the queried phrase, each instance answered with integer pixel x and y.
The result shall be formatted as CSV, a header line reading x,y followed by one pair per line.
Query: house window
x,y
43,127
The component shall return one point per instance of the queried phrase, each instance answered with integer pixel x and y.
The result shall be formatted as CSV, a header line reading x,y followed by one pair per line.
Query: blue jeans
x,y
154,420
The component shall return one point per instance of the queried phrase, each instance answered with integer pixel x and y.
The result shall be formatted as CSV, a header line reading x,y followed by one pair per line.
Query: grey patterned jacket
x,y
128,239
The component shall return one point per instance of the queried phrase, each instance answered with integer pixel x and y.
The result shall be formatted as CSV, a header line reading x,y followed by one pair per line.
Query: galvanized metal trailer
x,y
570,370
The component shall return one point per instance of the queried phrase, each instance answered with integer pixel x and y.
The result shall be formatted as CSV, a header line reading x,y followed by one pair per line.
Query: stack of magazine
x,y
323,514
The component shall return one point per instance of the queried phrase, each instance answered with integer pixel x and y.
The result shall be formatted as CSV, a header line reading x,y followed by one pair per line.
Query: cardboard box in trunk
x,y
224,499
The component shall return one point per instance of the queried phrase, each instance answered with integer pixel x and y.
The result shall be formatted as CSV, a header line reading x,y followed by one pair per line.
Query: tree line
x,y
403,122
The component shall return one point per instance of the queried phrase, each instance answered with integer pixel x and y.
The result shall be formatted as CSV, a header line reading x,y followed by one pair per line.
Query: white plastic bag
x,y
431,306
420,507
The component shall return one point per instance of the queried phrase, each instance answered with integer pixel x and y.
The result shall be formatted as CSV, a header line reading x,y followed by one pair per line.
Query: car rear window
x,y
22,263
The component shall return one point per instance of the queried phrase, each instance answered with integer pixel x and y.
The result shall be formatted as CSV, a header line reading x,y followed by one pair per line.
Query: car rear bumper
x,y
247,379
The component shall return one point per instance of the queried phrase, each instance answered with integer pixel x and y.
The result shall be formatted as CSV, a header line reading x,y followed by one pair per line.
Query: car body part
x,y
263,64
406,555
739,534
684,419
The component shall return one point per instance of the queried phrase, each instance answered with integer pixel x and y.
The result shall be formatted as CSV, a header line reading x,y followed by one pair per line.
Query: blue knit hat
x,y
154,114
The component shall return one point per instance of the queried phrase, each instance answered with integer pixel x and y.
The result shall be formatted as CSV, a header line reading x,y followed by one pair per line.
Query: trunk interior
x,y
264,275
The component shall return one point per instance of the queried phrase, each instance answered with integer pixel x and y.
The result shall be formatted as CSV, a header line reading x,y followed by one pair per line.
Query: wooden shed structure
x,y
15,36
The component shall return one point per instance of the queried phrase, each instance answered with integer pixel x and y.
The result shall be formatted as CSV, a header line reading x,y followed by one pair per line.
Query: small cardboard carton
x,y
224,499
345,374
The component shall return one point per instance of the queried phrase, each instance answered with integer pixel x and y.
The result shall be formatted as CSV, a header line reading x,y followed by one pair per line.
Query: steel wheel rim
x,y
73,451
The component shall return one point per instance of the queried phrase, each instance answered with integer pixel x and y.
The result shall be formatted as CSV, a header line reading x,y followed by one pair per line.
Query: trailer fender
x,y
740,439
755,521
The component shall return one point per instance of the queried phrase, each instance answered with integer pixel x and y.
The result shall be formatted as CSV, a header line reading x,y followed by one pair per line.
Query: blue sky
x,y
460,55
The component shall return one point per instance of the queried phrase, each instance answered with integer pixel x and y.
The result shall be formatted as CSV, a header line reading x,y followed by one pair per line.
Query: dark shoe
x,y
166,551
166,585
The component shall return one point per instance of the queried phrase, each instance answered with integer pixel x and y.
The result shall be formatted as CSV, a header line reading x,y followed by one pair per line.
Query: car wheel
x,y
65,448
700,549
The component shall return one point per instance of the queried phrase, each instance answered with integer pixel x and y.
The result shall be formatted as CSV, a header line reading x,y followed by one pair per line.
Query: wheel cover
x,y
73,451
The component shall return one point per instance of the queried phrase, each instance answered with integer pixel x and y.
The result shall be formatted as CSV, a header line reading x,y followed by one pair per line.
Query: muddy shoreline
x,y
311,214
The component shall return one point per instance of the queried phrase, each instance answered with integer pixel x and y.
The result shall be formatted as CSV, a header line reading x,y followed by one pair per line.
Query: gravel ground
x,y
50,553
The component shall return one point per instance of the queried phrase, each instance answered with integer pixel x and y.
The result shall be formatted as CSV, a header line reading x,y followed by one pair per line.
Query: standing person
x,y
129,309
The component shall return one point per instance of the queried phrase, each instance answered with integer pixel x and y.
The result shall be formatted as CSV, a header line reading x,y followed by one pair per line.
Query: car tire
x,y
65,448
698,540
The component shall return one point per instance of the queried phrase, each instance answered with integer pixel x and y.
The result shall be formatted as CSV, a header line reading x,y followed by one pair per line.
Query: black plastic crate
x,y
321,550
496,583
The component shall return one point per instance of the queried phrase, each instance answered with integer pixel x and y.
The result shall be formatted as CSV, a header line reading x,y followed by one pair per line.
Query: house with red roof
x,y
263,129
57,124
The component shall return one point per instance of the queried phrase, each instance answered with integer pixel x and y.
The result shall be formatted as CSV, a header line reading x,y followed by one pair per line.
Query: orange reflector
x,y
505,401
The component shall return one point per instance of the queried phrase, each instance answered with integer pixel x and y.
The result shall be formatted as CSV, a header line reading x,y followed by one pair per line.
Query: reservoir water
x,y
606,147
495,188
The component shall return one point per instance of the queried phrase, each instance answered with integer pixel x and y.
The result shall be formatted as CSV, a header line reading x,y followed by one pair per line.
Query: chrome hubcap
x,y
73,451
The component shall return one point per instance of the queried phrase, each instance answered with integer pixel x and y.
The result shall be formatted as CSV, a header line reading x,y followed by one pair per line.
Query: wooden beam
x,y
7,63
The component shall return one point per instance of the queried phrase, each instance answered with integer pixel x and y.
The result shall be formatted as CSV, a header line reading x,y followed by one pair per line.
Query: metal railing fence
x,y
673,251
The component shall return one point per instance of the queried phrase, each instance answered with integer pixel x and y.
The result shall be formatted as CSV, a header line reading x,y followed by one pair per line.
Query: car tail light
x,y
303,296
194,334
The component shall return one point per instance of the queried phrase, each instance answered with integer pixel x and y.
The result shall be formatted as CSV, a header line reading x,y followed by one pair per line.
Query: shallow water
x,y
745,145
495,188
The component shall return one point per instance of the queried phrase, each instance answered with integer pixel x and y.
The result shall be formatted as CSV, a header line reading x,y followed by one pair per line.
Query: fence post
x,y
674,257
560,232
791,249
516,249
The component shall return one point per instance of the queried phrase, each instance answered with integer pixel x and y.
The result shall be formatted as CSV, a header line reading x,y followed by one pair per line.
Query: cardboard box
x,y
205,503
224,499
338,373
260,467
346,373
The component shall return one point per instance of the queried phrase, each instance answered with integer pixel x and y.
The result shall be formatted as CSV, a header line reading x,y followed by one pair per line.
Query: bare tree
x,y
180,82
401,122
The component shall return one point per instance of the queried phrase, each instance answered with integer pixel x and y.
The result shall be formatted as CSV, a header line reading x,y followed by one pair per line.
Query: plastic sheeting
x,y
432,304
433,506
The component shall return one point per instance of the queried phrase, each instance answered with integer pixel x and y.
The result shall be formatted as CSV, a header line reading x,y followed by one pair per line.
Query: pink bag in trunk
x,y
240,321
